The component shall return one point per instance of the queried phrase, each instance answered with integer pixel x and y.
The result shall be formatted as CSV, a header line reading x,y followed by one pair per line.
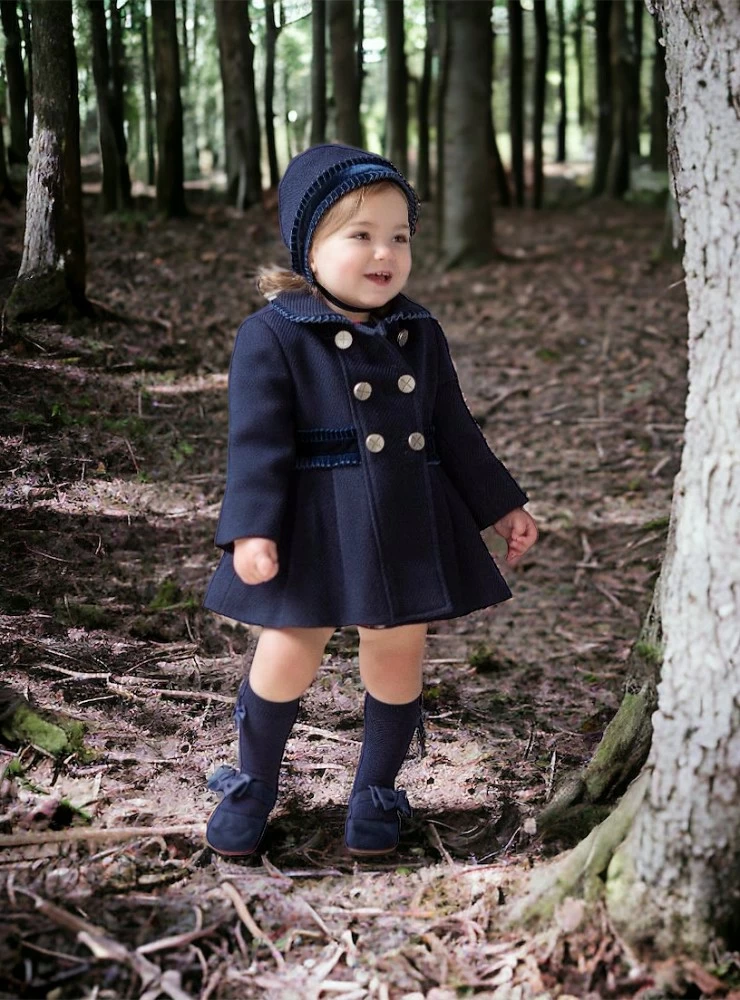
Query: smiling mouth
x,y
379,277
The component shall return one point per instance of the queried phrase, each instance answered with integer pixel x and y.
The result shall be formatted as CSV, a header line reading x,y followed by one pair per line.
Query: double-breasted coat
x,y
352,447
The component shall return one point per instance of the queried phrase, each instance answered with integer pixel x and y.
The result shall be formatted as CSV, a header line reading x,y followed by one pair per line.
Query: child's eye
x,y
360,236
402,238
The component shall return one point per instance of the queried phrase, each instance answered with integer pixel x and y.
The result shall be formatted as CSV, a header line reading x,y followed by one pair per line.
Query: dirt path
x,y
572,358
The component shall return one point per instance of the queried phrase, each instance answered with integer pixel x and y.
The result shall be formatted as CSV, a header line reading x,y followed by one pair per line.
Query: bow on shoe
x,y
390,798
229,781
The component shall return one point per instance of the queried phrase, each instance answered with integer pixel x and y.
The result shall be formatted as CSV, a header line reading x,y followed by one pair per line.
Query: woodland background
x,y
560,291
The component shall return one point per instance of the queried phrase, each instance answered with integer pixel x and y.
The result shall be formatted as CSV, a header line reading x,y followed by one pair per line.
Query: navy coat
x,y
375,486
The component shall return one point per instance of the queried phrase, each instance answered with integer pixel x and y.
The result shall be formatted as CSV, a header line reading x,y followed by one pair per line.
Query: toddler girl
x,y
357,487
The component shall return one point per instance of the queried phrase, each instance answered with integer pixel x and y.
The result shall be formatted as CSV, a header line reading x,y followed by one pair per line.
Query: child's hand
x,y
519,530
255,559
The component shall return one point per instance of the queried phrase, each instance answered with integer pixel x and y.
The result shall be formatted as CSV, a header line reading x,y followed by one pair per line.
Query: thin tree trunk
x,y
26,18
516,97
499,171
51,279
618,173
114,195
423,180
117,100
468,205
397,87
443,57
271,33
318,72
578,19
185,50
603,96
170,166
148,109
635,116
659,109
344,71
240,104
560,155
7,191
15,75
540,83
360,55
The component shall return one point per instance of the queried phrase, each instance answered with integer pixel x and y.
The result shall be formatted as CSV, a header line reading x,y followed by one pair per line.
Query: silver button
x,y
416,441
363,390
375,443
403,336
343,339
407,383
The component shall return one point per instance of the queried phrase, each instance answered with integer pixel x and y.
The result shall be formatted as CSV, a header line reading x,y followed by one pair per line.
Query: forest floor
x,y
571,351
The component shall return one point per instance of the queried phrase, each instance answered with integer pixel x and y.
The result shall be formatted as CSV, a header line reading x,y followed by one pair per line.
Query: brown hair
x,y
271,281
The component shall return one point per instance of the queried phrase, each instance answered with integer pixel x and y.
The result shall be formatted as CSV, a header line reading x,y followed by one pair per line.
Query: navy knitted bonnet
x,y
317,178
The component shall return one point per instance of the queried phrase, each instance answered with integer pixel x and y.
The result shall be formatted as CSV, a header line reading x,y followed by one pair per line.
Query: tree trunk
x,y
147,86
26,18
499,171
397,118
443,58
467,203
671,851
170,166
342,44
618,172
423,176
578,19
116,188
271,34
15,75
117,99
560,156
635,107
516,97
318,72
680,866
51,279
240,104
658,108
7,191
185,50
602,12
540,83
360,56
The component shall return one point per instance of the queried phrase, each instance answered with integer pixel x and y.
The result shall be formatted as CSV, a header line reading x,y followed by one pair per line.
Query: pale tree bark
x,y
346,86
679,869
16,78
51,279
671,850
240,104
170,164
467,204
318,72
397,115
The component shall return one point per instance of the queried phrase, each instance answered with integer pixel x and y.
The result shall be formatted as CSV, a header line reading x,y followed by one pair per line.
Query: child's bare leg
x,y
286,661
391,670
284,664
391,661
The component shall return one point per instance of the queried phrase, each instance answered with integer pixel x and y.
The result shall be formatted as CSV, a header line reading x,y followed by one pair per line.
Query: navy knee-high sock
x,y
389,730
264,727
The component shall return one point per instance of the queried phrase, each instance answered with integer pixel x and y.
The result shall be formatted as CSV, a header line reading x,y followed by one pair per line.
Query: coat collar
x,y
303,307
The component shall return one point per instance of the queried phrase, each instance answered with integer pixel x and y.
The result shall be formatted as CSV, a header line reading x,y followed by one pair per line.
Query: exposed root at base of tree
x,y
582,871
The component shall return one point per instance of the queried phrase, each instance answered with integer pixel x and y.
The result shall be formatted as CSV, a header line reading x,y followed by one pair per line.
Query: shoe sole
x,y
357,853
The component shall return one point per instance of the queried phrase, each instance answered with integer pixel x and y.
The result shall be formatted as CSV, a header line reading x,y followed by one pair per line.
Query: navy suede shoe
x,y
374,820
238,822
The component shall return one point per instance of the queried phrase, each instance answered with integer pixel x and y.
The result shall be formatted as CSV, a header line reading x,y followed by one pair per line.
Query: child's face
x,y
367,260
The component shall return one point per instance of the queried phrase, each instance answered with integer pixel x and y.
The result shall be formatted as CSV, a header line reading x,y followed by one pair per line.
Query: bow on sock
x,y
390,798
229,781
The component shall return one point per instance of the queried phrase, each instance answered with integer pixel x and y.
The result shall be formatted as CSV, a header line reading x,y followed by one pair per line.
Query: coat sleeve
x,y
484,483
261,438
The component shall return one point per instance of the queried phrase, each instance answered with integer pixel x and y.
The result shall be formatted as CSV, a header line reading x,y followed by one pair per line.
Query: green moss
x,y
90,616
657,524
171,597
649,652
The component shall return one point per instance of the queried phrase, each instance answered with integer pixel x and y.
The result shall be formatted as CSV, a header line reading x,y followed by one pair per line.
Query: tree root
x,y
582,871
